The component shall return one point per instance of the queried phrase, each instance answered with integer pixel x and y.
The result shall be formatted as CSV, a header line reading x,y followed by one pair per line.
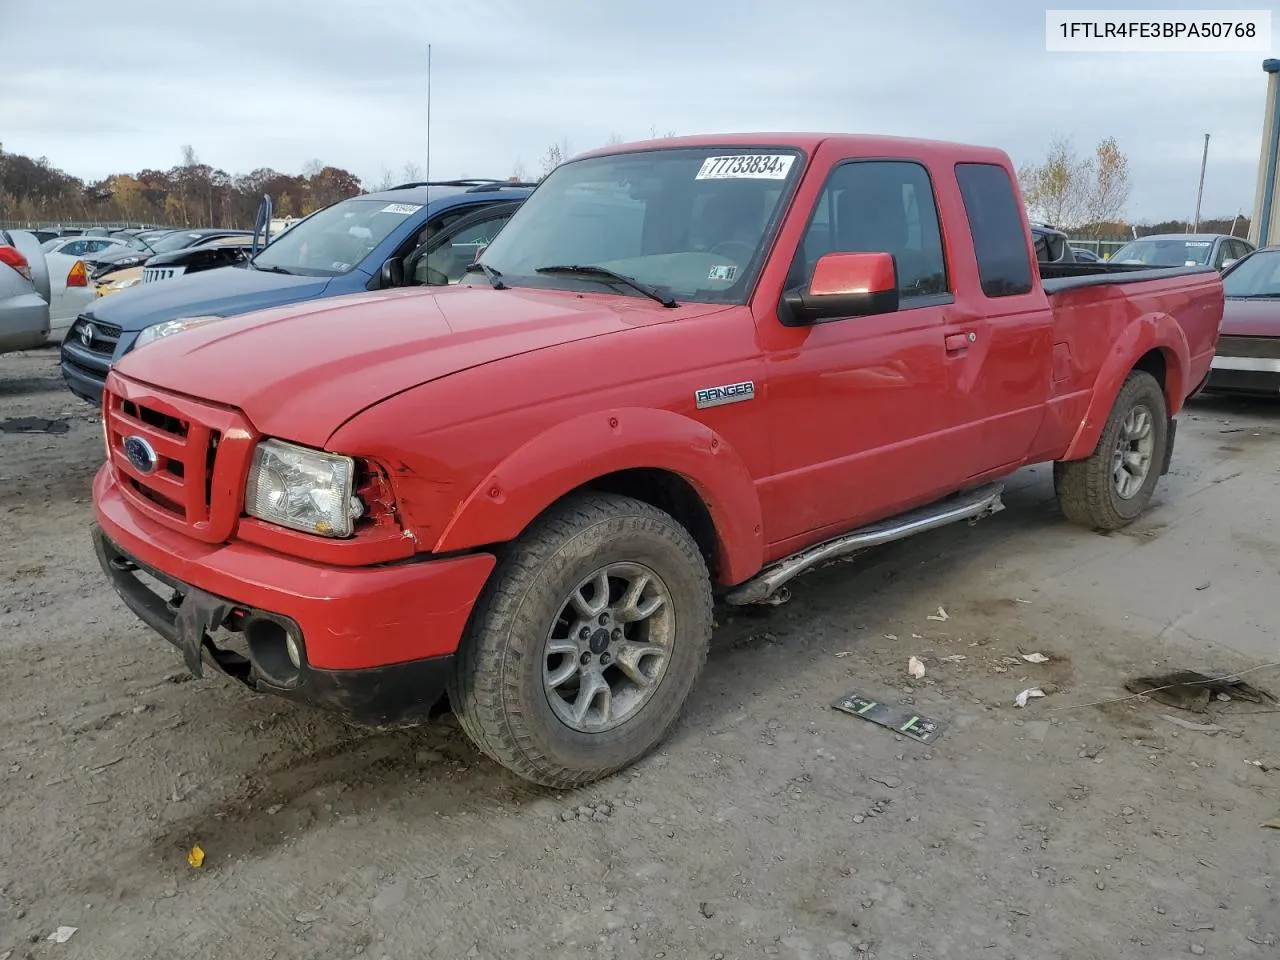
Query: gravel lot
x,y
770,825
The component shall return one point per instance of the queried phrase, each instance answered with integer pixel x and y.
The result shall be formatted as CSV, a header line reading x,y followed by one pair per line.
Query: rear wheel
x,y
1110,488
586,643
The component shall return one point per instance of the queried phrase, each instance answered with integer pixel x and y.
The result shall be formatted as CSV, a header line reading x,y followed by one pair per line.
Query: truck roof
x,y
869,144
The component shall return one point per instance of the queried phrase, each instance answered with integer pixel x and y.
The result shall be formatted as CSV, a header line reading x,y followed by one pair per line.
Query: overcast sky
x,y
252,83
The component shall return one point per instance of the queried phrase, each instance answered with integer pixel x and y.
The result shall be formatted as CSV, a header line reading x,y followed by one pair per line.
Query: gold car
x,y
118,280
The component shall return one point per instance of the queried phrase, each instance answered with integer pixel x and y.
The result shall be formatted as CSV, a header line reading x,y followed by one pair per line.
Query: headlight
x,y
160,330
302,489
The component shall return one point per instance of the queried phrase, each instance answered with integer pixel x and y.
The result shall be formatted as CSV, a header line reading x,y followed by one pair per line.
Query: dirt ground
x,y
770,825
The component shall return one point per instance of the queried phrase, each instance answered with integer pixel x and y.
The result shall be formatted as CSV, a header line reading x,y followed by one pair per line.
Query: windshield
x,y
141,243
1255,276
178,240
334,240
1165,252
689,223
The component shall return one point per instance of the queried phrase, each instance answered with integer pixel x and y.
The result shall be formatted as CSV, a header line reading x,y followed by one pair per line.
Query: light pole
x,y
428,173
1200,192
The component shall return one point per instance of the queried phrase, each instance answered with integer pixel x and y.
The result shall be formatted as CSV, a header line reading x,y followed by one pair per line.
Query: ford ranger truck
x,y
683,370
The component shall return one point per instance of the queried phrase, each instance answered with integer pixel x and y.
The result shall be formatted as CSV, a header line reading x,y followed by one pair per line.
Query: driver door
x,y
443,259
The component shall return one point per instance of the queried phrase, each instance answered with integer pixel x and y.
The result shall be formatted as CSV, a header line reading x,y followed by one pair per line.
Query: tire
x,y
502,689
1088,490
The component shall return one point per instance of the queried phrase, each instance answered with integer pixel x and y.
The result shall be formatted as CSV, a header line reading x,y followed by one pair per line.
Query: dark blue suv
x,y
417,233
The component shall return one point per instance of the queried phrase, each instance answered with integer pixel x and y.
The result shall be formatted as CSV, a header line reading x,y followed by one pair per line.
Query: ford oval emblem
x,y
140,453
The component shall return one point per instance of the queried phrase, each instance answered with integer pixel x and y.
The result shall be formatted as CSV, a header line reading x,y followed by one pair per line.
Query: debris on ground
x,y
1191,690
1273,823
196,856
915,667
905,722
776,599
33,425
62,934
1209,728
1022,698
954,658
941,616
1035,658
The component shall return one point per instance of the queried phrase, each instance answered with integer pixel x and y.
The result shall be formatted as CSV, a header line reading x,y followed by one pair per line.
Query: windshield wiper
x,y
270,269
604,273
493,275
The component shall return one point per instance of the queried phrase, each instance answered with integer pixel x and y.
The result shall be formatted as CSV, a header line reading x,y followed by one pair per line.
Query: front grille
x,y
95,336
1267,348
185,470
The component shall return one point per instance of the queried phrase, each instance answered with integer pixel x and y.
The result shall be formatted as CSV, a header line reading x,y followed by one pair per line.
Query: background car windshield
x,y
1258,276
1165,253
335,240
178,240
688,222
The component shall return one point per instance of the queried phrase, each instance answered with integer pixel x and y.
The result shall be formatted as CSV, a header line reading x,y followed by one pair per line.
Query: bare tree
x,y
386,182
412,172
1057,189
312,168
655,135
518,173
555,155
1107,189
614,140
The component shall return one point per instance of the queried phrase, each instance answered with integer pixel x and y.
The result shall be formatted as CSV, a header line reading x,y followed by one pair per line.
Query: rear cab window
x,y
997,227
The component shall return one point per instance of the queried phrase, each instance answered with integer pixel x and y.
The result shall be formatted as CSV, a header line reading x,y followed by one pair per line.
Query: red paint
x,y
1251,318
838,273
477,409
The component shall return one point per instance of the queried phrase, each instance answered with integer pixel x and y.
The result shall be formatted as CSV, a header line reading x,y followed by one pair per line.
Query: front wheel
x,y
587,641
1110,488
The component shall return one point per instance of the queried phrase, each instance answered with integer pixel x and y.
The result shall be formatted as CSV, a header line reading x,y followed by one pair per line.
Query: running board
x,y
973,505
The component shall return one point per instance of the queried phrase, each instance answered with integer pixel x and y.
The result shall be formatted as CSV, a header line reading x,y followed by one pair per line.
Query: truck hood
x,y
1244,317
226,291
300,372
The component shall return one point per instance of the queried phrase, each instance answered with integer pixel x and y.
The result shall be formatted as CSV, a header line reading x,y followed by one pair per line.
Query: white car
x,y
80,246
69,292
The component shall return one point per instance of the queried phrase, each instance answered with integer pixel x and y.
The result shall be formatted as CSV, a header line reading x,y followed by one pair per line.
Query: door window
x,y
879,206
451,254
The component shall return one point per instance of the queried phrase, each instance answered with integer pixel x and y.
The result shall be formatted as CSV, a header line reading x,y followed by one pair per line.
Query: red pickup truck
x,y
684,369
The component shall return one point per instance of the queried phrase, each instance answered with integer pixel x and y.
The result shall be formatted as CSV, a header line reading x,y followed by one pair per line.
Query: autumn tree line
x,y
1083,195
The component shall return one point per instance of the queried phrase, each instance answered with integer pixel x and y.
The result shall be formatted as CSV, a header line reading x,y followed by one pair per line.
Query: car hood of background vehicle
x,y
226,291
1251,318
300,372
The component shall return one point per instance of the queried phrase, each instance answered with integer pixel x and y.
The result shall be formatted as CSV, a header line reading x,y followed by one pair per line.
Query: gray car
x,y
24,292
1184,249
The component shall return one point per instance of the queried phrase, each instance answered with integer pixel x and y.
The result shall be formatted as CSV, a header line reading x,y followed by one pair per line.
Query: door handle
x,y
959,342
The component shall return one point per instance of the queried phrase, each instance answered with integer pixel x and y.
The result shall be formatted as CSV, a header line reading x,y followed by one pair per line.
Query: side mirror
x,y
1227,263
392,273
846,285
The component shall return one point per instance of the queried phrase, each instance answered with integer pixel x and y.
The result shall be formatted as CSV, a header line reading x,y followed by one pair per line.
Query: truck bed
x,y
1096,306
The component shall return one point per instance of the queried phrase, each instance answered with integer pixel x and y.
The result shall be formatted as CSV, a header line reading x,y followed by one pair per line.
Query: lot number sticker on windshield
x,y
749,166
401,208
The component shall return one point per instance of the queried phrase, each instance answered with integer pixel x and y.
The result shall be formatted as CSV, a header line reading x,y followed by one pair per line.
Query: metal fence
x,y
76,225
1103,248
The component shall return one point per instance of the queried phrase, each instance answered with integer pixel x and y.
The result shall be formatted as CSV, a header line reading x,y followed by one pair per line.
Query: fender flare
x,y
592,445
1151,331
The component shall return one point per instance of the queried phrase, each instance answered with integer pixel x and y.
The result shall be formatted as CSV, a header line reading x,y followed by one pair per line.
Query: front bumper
x,y
1256,375
375,643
